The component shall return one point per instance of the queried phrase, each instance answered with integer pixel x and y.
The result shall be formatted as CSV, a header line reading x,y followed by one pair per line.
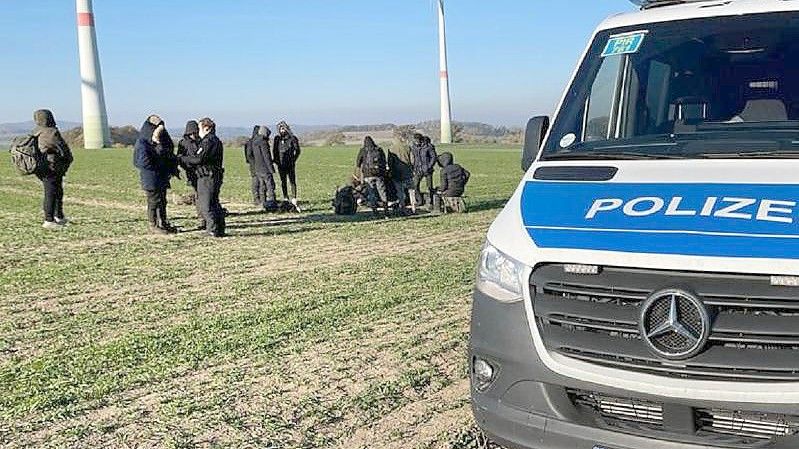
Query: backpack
x,y
344,202
25,155
375,161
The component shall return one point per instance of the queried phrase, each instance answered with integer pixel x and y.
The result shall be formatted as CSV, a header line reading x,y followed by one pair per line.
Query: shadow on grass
x,y
298,219
484,205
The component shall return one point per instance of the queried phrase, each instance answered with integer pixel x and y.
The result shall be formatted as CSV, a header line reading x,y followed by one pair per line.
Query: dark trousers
x,y
208,188
377,187
264,184
417,181
53,204
289,173
255,186
156,207
417,184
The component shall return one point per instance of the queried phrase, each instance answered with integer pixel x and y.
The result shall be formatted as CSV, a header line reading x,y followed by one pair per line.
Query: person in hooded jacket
x,y
401,175
255,184
154,156
424,158
208,163
260,156
57,158
285,152
453,182
188,146
372,162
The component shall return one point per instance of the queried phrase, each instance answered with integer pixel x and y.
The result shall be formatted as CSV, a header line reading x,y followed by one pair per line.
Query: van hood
x,y
738,216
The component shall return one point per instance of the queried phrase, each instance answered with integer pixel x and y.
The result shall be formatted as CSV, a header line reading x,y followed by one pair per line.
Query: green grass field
x,y
298,331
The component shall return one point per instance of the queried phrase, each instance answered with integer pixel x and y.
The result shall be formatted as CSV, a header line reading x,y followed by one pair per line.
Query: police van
x,y
641,287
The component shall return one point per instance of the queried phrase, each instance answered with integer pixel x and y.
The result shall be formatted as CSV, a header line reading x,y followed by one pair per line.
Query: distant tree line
x,y
462,132
121,136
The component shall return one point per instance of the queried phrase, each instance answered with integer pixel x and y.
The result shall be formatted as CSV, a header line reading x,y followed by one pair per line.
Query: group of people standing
x,y
263,159
396,179
200,154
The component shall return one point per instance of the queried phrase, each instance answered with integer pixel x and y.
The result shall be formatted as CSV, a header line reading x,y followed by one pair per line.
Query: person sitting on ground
x,y
153,156
372,162
453,182
261,164
57,160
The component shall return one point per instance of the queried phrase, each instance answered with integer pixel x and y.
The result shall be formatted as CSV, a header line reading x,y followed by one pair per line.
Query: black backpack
x,y
375,160
26,156
344,202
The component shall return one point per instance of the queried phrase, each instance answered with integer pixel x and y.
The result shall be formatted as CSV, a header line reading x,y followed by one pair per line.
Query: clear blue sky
x,y
311,61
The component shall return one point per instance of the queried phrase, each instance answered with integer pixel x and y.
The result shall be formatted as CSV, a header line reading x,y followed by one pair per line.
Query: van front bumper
x,y
528,406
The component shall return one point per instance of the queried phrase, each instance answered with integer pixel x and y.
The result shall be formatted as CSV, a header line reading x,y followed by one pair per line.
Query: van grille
x,y
753,425
595,318
637,411
723,427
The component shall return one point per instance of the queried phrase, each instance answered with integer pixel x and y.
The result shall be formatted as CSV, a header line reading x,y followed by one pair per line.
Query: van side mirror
x,y
537,128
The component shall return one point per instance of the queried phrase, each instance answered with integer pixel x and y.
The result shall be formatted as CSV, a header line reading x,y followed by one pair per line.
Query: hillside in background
x,y
315,135
463,132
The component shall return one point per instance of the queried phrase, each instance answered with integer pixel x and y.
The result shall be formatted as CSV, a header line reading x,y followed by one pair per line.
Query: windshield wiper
x,y
610,155
776,154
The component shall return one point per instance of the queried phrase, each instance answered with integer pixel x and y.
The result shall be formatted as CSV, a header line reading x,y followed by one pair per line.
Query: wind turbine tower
x,y
446,109
95,119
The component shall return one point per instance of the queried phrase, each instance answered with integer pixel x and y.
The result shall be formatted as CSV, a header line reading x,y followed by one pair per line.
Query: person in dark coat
x,y
453,177
209,166
285,153
372,162
255,184
424,158
260,156
188,146
155,158
401,175
58,158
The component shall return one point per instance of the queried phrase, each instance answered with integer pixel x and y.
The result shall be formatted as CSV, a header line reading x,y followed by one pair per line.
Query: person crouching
x,y
155,158
453,183
372,162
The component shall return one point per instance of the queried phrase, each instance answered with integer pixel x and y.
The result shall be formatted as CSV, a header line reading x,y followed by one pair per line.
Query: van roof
x,y
692,9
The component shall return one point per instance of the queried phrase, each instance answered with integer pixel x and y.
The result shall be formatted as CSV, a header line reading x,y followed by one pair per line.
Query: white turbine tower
x,y
446,109
95,119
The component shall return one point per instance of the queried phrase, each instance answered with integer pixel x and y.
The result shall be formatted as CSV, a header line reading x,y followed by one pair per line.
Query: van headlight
x,y
499,275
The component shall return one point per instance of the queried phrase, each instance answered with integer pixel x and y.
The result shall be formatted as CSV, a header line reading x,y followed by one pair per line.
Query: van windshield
x,y
725,87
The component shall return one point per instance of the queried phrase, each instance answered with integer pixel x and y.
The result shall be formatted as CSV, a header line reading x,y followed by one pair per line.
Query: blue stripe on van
x,y
557,215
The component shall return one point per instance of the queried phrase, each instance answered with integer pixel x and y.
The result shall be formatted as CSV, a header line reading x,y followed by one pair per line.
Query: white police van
x,y
641,287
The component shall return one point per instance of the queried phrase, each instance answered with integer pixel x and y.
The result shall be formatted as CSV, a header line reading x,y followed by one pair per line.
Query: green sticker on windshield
x,y
623,44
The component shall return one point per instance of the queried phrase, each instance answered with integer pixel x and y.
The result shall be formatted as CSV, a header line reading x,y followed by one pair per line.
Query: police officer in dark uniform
x,y
208,165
